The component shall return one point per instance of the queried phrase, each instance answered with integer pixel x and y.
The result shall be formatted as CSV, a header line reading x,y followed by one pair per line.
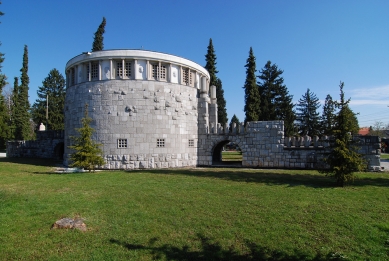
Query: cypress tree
x,y
210,59
98,42
344,159
307,116
22,115
53,87
14,107
251,98
328,116
221,103
276,103
87,153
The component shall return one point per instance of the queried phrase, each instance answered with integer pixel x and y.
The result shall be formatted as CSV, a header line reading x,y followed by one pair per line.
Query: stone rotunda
x,y
144,106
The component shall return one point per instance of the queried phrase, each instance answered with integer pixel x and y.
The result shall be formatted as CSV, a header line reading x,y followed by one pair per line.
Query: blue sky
x,y
316,43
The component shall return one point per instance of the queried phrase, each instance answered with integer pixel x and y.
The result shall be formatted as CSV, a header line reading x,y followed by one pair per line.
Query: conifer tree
x,y
87,153
251,98
221,103
307,117
98,42
53,89
234,119
276,102
21,115
328,116
210,59
344,158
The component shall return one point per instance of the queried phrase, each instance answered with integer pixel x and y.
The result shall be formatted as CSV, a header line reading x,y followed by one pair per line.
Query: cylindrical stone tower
x,y
144,106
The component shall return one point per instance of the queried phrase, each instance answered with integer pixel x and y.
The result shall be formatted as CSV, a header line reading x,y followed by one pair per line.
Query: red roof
x,y
364,131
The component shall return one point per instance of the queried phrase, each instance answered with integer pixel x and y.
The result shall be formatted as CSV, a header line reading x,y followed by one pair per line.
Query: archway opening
x,y
227,153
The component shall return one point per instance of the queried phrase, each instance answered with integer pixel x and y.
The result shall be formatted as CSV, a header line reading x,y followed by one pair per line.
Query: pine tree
x,y
210,59
234,119
307,116
53,88
344,158
251,98
87,153
98,42
328,116
276,103
21,115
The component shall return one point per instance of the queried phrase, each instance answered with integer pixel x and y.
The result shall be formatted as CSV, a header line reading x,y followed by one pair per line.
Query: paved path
x,y
385,164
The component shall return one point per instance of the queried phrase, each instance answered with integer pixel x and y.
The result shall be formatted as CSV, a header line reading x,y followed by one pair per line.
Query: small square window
x,y
191,143
160,143
122,143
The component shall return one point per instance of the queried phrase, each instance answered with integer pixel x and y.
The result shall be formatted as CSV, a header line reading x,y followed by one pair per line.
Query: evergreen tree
x,y
221,103
234,119
21,115
53,88
344,158
98,42
276,103
210,59
4,117
251,98
14,107
87,153
328,116
307,116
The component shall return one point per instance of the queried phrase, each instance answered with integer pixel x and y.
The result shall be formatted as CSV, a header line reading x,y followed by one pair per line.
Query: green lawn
x,y
184,214
384,156
232,155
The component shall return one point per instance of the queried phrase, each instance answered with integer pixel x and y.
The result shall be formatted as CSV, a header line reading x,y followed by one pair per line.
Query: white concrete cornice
x,y
135,54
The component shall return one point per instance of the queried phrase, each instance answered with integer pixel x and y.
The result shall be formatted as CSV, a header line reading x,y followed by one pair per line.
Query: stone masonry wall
x,y
48,145
142,113
263,145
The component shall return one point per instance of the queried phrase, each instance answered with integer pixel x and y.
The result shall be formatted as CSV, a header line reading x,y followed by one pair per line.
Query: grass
x,y
384,156
231,156
191,214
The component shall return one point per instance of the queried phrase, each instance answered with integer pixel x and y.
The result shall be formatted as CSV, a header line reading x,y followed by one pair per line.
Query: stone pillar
x,y
213,106
233,131
203,114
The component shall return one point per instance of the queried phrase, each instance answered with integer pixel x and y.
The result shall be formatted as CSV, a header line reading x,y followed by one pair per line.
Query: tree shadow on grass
x,y
33,161
270,177
210,250
251,176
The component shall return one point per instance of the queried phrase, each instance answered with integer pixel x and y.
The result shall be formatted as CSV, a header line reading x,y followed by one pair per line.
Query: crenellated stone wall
x,y
48,145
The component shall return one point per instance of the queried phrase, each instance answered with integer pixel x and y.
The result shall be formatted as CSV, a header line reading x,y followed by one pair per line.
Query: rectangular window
x,y
158,72
119,69
72,77
122,143
160,143
186,76
162,73
95,71
127,69
154,71
191,143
